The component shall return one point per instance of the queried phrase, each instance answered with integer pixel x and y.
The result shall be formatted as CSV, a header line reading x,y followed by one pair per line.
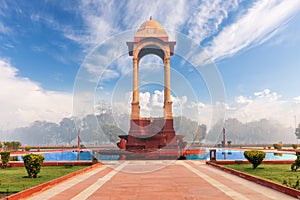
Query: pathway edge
x,y
266,183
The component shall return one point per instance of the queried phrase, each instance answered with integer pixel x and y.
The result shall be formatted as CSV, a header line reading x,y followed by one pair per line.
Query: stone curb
x,y
43,186
231,162
281,188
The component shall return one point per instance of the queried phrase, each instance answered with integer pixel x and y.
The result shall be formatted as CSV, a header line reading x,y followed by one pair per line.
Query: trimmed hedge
x,y
5,155
278,146
255,157
33,164
27,148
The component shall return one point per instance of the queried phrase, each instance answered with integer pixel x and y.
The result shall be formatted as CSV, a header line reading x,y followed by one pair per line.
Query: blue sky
x,y
255,45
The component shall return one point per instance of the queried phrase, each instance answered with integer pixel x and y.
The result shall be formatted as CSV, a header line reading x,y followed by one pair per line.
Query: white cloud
x,y
103,19
158,98
208,16
242,100
297,99
264,105
267,94
259,24
24,101
199,106
227,26
4,29
152,105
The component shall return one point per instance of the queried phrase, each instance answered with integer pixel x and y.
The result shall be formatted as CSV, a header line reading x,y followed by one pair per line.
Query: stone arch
x,y
151,38
151,46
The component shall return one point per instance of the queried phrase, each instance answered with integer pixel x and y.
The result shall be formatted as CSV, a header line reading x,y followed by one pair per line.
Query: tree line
x,y
255,132
94,129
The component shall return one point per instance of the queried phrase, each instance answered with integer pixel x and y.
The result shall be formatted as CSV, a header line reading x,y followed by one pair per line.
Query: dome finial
x,y
150,17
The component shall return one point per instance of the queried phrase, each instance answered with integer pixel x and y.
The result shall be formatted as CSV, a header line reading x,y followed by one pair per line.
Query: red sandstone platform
x,y
176,180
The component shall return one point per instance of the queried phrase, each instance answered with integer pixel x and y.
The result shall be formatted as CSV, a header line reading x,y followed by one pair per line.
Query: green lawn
x,y
274,172
14,179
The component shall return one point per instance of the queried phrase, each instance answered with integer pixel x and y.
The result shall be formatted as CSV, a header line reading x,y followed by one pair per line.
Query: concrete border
x,y
231,162
281,188
43,186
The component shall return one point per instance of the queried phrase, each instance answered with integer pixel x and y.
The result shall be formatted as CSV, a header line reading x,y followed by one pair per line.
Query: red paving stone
x,y
180,180
221,177
77,188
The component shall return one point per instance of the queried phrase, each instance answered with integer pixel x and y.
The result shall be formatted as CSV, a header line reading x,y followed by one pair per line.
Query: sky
x,y
254,45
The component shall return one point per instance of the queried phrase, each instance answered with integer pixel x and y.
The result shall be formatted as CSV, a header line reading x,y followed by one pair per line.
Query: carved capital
x,y
135,62
167,61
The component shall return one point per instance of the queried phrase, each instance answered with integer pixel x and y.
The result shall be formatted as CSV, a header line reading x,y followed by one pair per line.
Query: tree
x,y
192,131
254,132
200,133
41,132
111,132
5,155
297,131
68,130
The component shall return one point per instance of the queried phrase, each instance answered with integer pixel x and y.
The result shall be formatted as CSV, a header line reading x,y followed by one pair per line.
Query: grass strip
x,y
14,179
273,172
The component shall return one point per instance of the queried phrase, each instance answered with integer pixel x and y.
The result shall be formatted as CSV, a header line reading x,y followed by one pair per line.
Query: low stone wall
x,y
266,183
231,162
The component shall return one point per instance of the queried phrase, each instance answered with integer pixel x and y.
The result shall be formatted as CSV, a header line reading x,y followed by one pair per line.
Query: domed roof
x,y
151,28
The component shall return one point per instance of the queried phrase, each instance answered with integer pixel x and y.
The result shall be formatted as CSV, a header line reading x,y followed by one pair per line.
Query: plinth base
x,y
151,134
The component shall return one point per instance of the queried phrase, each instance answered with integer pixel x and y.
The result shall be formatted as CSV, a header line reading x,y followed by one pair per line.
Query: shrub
x,y
15,145
12,146
5,155
229,143
33,164
295,185
295,146
255,157
277,146
296,164
27,148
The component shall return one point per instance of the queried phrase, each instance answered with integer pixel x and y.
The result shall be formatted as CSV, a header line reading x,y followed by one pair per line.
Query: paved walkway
x,y
189,180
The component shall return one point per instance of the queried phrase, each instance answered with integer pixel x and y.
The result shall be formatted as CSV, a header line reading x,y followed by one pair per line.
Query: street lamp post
x,y
78,144
224,138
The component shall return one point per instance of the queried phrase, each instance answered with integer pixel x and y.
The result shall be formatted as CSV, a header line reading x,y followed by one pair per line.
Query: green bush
x,y
295,146
296,164
27,148
277,146
5,155
12,146
15,145
33,164
255,157
295,185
